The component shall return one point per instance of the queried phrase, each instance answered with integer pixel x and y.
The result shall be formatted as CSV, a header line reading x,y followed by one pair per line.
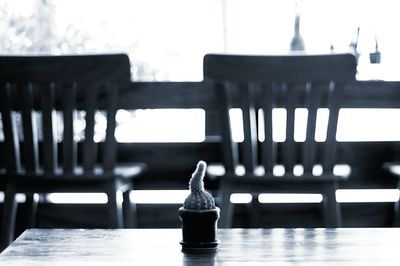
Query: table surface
x,y
343,246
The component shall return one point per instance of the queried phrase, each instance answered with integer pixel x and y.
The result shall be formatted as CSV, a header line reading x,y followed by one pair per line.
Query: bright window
x,y
167,39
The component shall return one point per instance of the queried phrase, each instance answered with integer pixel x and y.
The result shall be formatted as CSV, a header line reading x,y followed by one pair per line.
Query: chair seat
x,y
77,181
122,171
340,172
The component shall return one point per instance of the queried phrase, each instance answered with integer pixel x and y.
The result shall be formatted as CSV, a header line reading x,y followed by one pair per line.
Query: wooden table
x,y
344,246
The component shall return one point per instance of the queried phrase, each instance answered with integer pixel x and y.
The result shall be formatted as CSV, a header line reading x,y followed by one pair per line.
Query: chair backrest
x,y
58,87
267,82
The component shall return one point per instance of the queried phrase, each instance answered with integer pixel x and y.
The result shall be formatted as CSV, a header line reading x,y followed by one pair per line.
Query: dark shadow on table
x,y
200,258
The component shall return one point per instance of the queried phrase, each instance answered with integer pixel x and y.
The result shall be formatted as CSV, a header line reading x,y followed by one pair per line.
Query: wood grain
x,y
344,246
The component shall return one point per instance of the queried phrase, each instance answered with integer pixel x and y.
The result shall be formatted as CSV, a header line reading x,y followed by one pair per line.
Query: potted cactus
x,y
199,215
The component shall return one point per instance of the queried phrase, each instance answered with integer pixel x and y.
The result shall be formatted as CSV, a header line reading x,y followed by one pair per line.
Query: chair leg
x,y
226,218
130,211
9,216
396,217
255,215
32,201
114,206
332,212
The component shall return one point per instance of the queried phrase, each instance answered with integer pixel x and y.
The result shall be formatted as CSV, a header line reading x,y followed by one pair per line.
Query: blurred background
x,y
166,41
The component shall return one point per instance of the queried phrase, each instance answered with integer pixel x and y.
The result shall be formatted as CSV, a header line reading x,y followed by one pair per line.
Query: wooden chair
x,y
267,82
36,160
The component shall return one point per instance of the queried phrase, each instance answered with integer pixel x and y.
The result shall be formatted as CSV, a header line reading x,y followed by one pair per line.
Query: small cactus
x,y
199,198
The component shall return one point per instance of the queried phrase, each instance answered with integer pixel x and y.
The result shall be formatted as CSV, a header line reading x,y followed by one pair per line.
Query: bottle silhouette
x,y
297,43
354,45
375,57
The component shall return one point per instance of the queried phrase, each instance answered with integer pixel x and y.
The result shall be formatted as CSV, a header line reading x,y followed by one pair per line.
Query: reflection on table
x,y
300,246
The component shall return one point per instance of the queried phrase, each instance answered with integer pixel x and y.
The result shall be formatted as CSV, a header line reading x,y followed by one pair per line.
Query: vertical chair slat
x,y
69,116
249,127
288,153
11,141
268,146
334,96
110,145
49,128
312,92
89,148
229,148
31,152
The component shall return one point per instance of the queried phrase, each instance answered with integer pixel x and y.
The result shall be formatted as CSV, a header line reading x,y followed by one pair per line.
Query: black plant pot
x,y
199,229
